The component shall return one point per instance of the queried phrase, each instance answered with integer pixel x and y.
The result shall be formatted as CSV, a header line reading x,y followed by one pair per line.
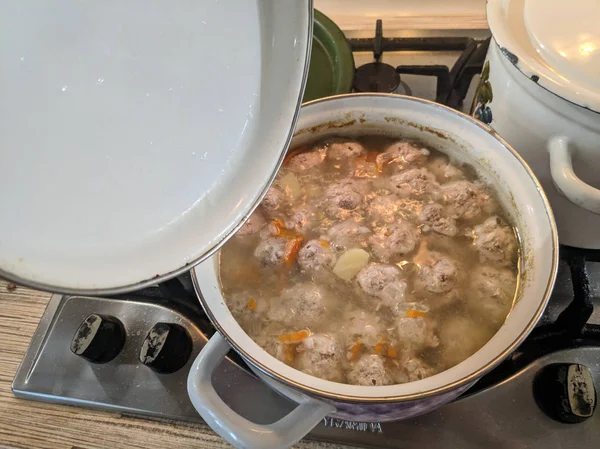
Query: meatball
x,y
273,347
345,195
348,234
383,282
249,310
495,242
433,219
301,219
491,292
361,327
394,239
460,338
383,208
246,305
299,222
411,370
270,251
344,149
305,161
369,370
467,200
273,200
319,355
417,369
445,171
389,208
402,154
439,274
415,334
415,182
302,305
316,256
253,225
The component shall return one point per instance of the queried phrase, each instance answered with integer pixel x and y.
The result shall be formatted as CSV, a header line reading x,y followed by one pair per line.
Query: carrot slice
x,y
379,348
380,162
292,250
289,352
415,313
278,222
251,304
324,243
282,231
294,337
354,350
391,352
288,234
372,156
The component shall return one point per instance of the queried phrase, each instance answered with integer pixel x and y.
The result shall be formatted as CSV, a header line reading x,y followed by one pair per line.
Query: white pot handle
x,y
237,430
565,179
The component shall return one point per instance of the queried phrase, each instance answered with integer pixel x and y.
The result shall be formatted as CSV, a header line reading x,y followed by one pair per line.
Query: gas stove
x,y
538,398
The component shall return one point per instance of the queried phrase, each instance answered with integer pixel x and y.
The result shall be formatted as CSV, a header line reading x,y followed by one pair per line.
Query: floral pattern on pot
x,y
392,411
483,96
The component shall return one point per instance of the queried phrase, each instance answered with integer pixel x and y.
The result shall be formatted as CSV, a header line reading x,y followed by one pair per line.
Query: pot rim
x,y
466,379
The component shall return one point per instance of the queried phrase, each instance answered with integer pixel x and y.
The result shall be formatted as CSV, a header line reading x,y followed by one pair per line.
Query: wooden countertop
x,y
28,424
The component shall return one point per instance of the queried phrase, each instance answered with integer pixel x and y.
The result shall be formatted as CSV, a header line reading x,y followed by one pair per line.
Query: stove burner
x,y
452,84
439,71
403,89
376,77
574,318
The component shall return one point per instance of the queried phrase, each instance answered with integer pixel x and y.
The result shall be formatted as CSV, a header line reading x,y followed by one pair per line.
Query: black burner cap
x,y
376,77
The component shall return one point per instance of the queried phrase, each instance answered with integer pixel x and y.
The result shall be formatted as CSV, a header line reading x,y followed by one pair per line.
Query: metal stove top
x,y
501,411
515,406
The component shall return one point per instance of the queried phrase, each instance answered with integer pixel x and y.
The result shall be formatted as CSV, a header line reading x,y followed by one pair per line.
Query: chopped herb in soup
x,y
372,261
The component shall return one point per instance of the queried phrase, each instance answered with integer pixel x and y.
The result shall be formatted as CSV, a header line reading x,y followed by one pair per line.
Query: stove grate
x,y
452,83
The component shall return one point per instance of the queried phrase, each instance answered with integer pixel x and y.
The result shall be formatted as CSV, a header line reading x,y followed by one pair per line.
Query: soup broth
x,y
372,261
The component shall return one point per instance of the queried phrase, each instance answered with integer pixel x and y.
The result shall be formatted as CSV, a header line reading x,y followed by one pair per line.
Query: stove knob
x,y
565,392
99,338
166,348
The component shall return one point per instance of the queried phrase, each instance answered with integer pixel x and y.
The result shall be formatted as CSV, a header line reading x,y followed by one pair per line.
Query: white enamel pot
x,y
463,138
536,92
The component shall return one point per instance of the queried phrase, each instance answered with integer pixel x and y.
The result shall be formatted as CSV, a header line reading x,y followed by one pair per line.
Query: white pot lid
x,y
556,43
137,136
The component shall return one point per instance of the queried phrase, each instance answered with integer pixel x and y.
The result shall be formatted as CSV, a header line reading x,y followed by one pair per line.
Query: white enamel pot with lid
x,y
127,129
540,90
463,138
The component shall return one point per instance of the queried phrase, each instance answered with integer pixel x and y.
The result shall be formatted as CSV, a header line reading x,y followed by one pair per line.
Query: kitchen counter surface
x,y
28,424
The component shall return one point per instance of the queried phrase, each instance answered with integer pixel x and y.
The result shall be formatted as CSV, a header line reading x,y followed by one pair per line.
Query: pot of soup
x,y
402,251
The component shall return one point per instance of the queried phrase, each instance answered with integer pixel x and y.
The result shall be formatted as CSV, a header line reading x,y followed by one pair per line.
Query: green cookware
x,y
331,63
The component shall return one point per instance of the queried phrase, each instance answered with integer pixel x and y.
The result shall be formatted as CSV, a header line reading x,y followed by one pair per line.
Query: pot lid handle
x,y
566,34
